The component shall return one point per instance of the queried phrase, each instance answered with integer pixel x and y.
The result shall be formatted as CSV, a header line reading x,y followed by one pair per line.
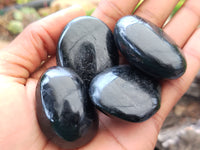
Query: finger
x,y
143,135
109,11
116,9
146,133
185,22
178,87
180,31
156,11
33,45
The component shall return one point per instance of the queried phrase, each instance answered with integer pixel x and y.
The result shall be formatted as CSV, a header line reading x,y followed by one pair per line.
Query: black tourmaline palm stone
x,y
65,114
148,48
125,93
87,46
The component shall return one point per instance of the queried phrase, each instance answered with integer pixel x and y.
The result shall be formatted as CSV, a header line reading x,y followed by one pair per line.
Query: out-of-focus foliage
x,y
30,11
18,15
138,5
178,6
15,26
21,18
22,1
89,12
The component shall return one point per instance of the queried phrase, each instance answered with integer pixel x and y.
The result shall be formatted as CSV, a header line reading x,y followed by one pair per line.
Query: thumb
x,y
25,54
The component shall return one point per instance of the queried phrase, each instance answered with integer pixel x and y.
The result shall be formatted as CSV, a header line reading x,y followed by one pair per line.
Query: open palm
x,y
20,69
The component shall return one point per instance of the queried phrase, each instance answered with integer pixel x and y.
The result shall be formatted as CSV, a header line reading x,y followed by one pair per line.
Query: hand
x,y
20,69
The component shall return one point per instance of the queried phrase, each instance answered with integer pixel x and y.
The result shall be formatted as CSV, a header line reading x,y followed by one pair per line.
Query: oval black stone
x,y
148,48
65,114
87,46
125,93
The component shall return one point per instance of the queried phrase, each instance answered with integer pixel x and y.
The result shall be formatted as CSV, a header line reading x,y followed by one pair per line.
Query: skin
x,y
20,69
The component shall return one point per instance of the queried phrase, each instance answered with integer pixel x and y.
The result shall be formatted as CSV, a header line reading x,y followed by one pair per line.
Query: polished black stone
x,y
125,93
65,114
147,47
87,46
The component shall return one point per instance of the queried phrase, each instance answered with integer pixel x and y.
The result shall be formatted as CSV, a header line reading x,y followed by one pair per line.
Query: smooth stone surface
x,y
125,93
148,48
65,114
87,46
